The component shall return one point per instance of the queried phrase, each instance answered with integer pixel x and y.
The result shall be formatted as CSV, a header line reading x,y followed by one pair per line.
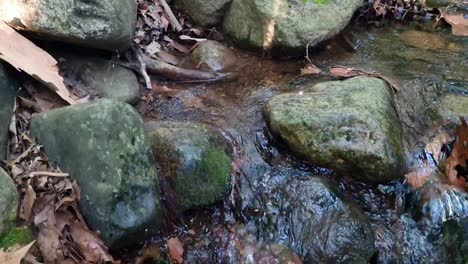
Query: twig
x,y
307,52
48,173
172,18
142,70
441,16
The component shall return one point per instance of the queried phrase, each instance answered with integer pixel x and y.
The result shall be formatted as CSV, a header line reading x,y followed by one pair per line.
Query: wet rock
x,y
437,201
287,23
205,12
194,159
7,100
439,3
453,106
350,126
103,146
455,240
212,55
99,77
103,24
8,202
307,215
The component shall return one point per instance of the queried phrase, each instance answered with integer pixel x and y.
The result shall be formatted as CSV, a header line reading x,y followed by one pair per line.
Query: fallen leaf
x,y
435,146
157,89
310,69
90,245
28,202
153,48
26,56
177,45
176,250
459,155
16,256
459,23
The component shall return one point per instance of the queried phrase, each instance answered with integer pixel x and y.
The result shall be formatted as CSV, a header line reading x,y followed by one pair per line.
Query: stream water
x,y
424,64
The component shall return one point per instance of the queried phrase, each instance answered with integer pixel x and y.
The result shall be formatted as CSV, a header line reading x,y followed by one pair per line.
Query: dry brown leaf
x,y
90,245
26,56
28,202
176,249
459,155
162,90
16,256
48,241
458,22
177,45
435,146
310,69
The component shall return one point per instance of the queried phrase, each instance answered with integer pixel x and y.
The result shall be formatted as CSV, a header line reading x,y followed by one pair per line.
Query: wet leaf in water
x,y
459,155
15,257
458,22
176,249
310,69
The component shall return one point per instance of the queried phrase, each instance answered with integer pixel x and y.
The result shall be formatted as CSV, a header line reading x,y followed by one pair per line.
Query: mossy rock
x,y
16,236
205,12
103,146
103,24
9,199
194,159
7,99
350,126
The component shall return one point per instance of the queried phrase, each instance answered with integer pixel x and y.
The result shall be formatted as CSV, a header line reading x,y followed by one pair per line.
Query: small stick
x,y
441,15
307,52
172,18
48,173
142,70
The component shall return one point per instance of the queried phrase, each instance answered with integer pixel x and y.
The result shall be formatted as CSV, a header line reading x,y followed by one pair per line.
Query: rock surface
x,y
193,157
103,24
287,23
8,202
212,55
307,215
205,12
455,240
103,146
7,100
453,106
100,77
350,126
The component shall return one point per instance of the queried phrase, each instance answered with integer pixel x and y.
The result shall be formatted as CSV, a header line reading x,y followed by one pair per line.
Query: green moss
x,y
16,236
208,183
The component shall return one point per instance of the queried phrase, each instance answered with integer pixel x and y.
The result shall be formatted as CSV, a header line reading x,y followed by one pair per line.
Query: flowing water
x,y
423,63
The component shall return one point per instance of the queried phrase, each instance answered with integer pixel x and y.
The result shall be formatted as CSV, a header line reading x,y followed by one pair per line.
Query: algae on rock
x,y
7,100
103,146
9,199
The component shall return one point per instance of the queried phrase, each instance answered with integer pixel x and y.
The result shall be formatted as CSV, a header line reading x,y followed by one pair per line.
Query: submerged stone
x,y
101,78
287,23
453,106
103,146
205,12
306,214
212,55
103,24
194,159
9,198
7,100
350,126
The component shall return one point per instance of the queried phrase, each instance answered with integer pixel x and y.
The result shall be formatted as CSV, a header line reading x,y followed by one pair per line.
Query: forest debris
x,y
162,90
177,45
347,72
172,18
459,155
176,250
180,74
310,69
458,22
16,256
167,57
26,56
435,146
153,48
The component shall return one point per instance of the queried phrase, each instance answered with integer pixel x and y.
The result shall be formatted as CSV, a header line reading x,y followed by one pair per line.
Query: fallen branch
x,y
142,70
175,73
48,173
172,18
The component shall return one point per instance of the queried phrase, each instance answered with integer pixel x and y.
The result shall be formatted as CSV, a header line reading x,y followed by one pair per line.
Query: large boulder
x,y
103,146
194,159
308,215
205,12
288,24
350,126
103,24
9,198
100,78
7,100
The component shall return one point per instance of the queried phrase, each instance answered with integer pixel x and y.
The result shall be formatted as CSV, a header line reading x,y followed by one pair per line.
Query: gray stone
x,y
8,202
350,126
101,77
308,215
193,158
103,146
103,24
212,55
205,12
7,100
453,106
287,23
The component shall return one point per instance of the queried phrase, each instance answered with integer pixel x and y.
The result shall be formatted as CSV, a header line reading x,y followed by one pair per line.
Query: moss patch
x,y
16,236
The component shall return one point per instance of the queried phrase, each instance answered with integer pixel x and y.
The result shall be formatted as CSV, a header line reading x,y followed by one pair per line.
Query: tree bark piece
x,y
172,18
